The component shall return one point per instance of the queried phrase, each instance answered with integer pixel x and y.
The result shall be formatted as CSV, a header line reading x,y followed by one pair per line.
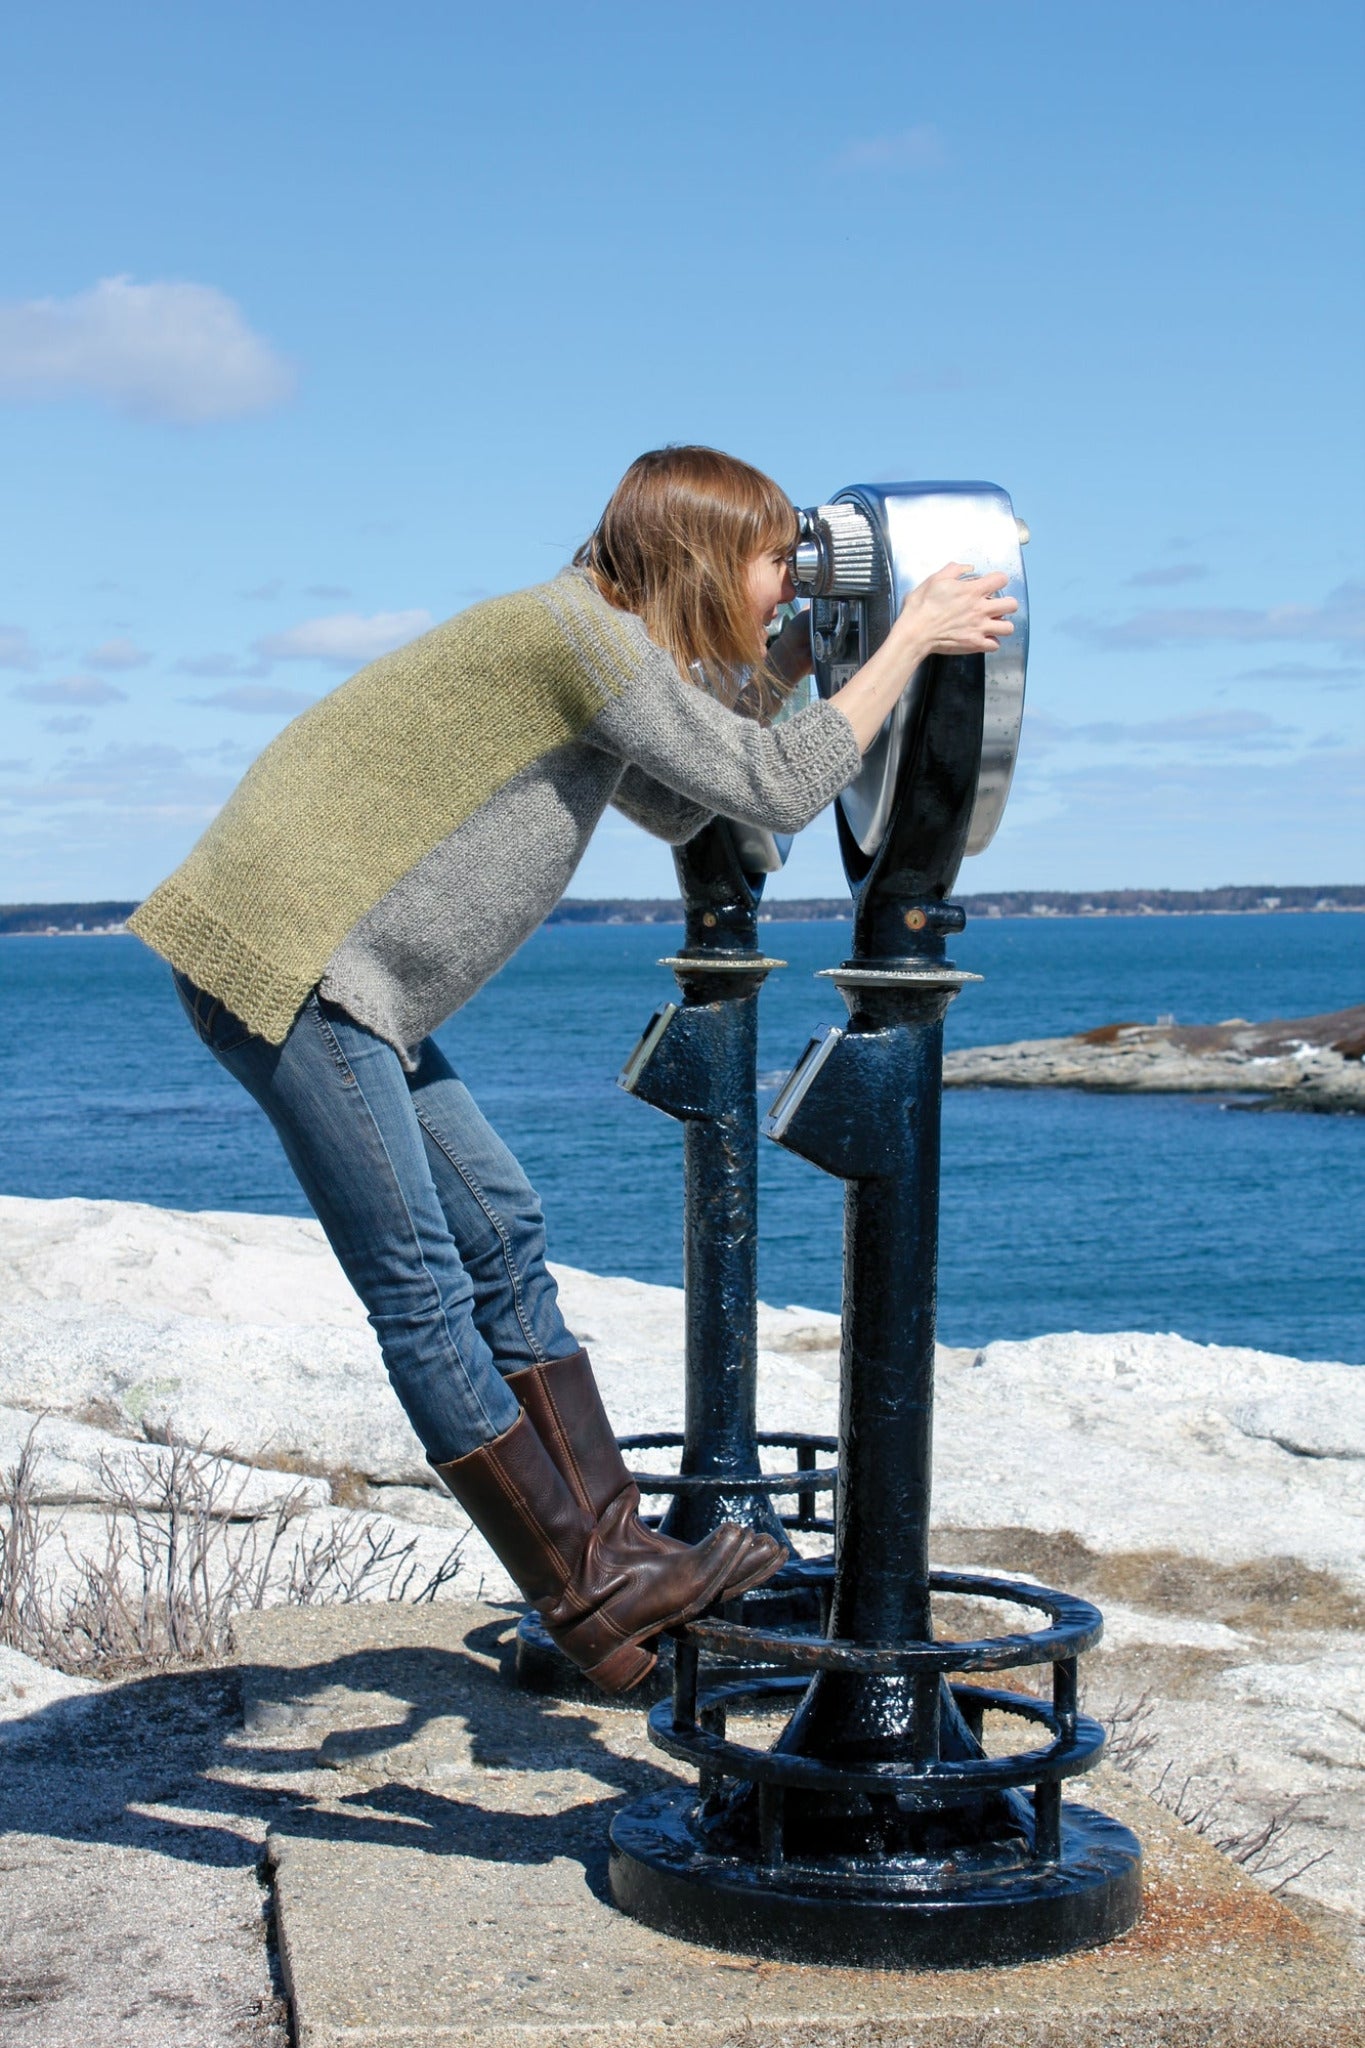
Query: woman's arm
x,y
658,808
779,777
782,776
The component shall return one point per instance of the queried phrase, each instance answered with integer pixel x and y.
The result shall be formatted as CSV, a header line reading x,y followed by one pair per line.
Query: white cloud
x,y
913,149
69,721
118,655
71,690
160,351
255,697
345,639
16,649
1339,621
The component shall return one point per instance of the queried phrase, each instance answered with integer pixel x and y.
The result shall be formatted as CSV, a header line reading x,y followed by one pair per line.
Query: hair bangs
x,y
674,545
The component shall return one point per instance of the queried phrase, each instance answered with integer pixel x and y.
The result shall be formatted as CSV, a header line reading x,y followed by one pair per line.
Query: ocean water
x,y
1060,1211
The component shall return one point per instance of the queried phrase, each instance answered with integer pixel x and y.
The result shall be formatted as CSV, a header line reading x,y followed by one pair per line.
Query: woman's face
x,y
769,584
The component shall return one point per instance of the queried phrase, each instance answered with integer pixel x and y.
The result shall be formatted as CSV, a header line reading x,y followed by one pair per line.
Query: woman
x,y
387,853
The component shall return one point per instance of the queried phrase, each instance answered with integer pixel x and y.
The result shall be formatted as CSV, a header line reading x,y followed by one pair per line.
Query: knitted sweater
x,y
397,842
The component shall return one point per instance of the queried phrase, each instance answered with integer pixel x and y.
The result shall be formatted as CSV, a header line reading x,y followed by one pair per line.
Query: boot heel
x,y
623,1669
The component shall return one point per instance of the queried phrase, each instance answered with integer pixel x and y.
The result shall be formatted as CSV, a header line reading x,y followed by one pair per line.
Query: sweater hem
x,y
175,924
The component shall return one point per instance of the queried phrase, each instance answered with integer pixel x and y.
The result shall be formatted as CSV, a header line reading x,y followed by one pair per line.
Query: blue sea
x,y
1060,1211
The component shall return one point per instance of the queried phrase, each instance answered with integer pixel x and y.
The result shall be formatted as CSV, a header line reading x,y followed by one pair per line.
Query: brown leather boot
x,y
600,1597
562,1399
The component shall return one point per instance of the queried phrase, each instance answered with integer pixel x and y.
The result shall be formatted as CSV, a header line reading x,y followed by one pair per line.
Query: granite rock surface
x,y
1212,1499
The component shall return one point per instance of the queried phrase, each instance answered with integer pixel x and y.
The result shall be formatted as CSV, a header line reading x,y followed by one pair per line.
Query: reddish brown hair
x,y
674,545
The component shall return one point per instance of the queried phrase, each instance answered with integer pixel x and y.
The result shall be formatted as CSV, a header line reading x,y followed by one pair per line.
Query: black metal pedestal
x,y
879,1827
698,1062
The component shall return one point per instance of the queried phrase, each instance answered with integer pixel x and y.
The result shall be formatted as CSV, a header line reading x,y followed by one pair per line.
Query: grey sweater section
x,y
667,754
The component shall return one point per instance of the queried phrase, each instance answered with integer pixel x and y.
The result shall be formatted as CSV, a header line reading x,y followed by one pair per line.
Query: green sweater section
x,y
357,790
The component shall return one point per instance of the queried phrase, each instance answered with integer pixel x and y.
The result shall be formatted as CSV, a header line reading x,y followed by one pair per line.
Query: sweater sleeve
x,y
659,809
778,777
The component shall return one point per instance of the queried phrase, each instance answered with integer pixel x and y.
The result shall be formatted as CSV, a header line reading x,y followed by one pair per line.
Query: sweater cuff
x,y
821,747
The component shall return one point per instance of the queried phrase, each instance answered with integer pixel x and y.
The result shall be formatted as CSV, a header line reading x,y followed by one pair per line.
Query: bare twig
x,y
1128,1731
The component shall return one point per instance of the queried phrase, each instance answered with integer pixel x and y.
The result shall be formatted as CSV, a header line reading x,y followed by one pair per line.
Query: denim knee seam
x,y
503,1236
332,1043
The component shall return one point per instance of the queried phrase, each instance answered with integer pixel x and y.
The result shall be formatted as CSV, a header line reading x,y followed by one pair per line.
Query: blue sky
x,y
318,322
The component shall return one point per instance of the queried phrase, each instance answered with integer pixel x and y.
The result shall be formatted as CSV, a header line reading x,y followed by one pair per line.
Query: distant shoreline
x,y
107,918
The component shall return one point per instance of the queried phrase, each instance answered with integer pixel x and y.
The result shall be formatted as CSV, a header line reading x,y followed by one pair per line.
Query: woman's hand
x,y
955,611
951,612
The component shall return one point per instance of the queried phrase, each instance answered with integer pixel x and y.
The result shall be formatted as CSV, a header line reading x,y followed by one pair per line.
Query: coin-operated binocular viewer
x,y
888,1823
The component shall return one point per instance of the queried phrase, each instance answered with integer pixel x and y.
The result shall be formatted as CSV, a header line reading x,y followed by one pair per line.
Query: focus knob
x,y
836,554
852,550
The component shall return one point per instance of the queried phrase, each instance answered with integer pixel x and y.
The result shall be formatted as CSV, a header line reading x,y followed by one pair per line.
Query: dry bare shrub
x,y
28,1596
1128,1734
183,1553
1264,1849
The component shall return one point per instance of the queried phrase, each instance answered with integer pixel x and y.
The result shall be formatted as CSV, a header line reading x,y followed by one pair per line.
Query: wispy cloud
x,y
1339,620
1253,789
1298,672
912,149
71,690
1219,729
264,593
160,351
209,667
69,721
1217,732
331,592
117,655
16,649
1167,574
344,639
255,697
149,780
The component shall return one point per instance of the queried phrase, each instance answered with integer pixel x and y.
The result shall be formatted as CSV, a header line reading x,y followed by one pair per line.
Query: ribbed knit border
x,y
176,925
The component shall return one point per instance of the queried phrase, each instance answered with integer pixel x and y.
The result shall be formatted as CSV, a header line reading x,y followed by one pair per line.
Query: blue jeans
x,y
433,1221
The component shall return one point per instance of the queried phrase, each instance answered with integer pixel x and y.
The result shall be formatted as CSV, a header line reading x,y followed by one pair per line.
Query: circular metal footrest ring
x,y
915,1786
693,1727
1076,1626
808,1479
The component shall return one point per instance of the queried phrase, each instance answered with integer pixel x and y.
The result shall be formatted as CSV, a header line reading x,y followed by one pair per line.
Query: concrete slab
x,y
445,1882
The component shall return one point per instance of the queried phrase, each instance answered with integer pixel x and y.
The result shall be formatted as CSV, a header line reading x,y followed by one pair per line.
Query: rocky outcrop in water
x,y
1311,1063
